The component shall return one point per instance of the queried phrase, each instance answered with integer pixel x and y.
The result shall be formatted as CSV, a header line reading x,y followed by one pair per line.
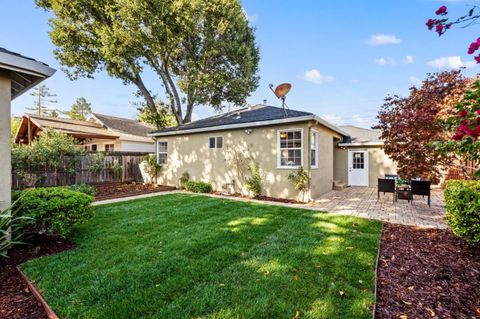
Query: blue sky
x,y
342,57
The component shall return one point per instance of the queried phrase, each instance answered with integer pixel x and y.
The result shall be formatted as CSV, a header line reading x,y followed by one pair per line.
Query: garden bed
x,y
262,197
16,300
427,273
120,190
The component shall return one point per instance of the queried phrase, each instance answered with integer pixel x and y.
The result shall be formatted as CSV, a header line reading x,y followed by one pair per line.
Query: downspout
x,y
309,160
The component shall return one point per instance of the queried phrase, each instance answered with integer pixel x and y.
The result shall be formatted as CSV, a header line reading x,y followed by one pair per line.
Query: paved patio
x,y
362,202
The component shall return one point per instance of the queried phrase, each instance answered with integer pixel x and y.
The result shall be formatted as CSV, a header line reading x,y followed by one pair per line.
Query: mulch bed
x,y
16,300
262,197
119,190
427,273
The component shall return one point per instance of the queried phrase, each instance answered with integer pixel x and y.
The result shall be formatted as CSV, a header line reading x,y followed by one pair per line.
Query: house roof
x,y
75,128
25,72
124,126
259,115
360,136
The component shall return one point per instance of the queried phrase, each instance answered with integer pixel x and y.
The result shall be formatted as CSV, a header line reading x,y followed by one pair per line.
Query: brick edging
x,y
376,273
50,313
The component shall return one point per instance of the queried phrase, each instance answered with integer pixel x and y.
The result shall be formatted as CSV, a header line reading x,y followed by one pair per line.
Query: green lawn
x,y
185,256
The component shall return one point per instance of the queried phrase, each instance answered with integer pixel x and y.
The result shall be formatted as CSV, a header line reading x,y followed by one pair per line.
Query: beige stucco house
x,y
17,75
216,149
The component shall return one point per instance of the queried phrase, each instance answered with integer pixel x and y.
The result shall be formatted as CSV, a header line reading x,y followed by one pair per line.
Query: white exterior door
x,y
358,168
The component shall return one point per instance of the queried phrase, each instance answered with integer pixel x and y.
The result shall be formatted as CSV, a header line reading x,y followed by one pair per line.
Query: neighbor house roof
x,y
75,128
122,125
360,136
259,115
25,72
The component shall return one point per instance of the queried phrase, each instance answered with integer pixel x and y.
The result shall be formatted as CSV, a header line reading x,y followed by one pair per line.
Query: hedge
x,y
54,210
462,201
198,187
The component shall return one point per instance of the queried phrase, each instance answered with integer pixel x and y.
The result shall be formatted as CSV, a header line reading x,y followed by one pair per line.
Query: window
x,y
109,147
215,142
290,148
358,160
87,148
313,149
94,147
162,148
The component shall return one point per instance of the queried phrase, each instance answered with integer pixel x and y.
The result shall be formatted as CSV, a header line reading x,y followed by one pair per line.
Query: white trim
x,y
157,151
252,124
314,131
361,144
215,137
279,157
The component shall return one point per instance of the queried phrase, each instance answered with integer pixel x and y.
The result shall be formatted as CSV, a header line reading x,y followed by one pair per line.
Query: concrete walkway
x,y
353,201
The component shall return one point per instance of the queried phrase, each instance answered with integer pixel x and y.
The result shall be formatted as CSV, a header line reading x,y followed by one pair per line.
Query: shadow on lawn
x,y
193,256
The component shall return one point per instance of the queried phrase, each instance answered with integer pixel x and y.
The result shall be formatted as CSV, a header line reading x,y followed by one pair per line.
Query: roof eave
x,y
361,144
234,126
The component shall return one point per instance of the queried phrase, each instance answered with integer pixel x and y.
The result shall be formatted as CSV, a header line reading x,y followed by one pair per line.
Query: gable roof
x,y
75,128
25,72
259,115
361,136
124,126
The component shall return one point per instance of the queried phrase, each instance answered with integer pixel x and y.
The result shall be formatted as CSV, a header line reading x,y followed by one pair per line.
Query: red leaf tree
x,y
410,125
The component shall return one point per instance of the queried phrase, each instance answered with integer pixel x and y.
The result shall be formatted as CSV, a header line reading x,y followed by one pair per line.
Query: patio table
x,y
404,192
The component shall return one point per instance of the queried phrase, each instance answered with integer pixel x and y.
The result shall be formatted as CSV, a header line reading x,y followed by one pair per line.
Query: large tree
x,y
80,109
410,125
202,52
43,99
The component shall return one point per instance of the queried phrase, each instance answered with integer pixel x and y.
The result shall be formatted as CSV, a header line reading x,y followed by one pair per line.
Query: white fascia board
x,y
235,126
331,126
361,144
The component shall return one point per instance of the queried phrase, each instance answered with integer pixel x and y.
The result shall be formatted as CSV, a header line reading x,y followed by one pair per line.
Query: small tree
x,y
409,124
152,168
300,180
253,183
80,109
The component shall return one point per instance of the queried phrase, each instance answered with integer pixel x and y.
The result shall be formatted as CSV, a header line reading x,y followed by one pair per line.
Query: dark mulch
x,y
119,190
262,197
16,300
427,273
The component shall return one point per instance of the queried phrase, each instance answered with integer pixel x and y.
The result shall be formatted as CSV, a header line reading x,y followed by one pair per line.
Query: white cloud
x,y
408,59
316,77
415,81
451,62
355,119
385,61
382,39
332,117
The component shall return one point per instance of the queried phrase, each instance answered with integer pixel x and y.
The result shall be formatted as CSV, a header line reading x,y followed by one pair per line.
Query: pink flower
x,y
439,29
475,132
430,23
441,11
462,114
478,112
477,58
457,136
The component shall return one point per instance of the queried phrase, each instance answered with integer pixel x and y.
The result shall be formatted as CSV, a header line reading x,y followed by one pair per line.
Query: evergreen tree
x,y
43,98
80,109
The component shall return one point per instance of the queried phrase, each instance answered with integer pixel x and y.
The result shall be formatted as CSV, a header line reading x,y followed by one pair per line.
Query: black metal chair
x,y
421,188
386,186
391,176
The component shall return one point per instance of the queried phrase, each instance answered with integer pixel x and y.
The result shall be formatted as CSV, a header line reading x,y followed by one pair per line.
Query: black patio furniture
x,y
386,186
391,176
421,188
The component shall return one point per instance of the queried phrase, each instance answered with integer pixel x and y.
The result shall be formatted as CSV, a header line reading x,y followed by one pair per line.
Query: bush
x,y
184,179
462,201
54,210
198,187
253,183
10,230
83,188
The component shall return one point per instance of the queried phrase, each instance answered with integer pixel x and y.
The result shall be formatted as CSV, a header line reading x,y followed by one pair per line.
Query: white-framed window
x,y
314,149
215,142
162,152
109,147
290,148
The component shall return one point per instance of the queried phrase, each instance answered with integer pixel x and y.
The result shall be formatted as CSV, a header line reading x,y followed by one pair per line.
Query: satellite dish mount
x,y
281,92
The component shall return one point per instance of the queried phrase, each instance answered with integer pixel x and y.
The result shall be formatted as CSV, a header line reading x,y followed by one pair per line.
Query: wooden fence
x,y
78,171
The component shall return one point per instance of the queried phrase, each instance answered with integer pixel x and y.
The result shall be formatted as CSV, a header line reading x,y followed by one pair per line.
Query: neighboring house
x,y
99,133
18,74
216,149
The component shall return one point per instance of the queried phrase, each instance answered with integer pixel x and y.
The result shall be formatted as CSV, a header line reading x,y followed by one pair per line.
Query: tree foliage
x,y
80,109
202,52
43,98
160,118
409,125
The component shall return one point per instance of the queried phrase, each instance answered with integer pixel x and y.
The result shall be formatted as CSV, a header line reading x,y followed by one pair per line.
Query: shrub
x,y
299,179
254,183
10,230
462,201
83,188
152,168
96,162
184,179
116,169
198,187
55,210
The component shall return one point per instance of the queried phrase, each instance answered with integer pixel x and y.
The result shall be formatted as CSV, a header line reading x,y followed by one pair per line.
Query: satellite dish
x,y
282,90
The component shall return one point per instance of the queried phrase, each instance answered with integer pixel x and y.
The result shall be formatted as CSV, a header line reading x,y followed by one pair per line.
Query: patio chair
x,y
391,176
386,186
421,188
